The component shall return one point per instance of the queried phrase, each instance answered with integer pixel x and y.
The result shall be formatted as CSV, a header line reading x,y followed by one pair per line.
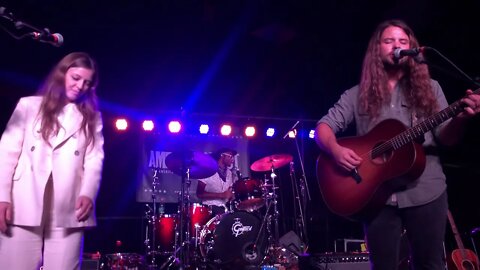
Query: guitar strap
x,y
414,119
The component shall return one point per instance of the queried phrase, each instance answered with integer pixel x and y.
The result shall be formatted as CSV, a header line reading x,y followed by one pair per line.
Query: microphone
x,y
239,174
475,230
236,170
400,53
54,39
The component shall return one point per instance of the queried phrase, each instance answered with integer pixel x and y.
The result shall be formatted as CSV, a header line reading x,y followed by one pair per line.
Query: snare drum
x,y
248,194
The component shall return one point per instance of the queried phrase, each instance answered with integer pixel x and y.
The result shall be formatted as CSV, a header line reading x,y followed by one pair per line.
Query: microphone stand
x,y
154,218
304,196
184,220
19,25
460,71
35,33
298,209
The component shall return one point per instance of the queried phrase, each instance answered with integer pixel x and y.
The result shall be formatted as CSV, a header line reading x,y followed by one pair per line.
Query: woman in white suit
x,y
51,158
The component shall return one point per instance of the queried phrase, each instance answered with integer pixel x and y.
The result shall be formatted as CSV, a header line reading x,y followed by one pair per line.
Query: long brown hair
x,y
54,96
374,81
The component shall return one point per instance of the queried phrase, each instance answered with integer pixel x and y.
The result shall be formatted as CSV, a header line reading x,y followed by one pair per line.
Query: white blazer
x,y
27,161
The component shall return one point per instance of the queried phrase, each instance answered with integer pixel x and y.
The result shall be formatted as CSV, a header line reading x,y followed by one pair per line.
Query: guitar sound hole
x,y
467,265
380,156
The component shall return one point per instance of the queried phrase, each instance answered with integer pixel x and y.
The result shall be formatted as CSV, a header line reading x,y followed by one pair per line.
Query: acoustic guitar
x,y
392,158
461,258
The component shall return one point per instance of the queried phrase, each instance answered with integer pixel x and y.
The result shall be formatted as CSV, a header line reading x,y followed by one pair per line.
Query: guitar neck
x,y
458,239
423,127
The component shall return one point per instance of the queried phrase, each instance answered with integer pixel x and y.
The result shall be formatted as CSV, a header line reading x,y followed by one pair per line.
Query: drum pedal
x,y
250,253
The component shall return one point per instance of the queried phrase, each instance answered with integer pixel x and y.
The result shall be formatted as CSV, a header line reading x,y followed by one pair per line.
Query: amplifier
x,y
90,264
91,261
335,261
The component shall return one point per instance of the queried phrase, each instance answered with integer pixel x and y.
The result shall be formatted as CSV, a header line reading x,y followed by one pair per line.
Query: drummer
x,y
216,190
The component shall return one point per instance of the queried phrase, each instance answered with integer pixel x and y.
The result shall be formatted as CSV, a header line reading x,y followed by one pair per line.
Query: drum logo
x,y
238,228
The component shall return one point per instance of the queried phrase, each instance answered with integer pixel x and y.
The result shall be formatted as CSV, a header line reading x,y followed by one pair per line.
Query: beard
x,y
391,65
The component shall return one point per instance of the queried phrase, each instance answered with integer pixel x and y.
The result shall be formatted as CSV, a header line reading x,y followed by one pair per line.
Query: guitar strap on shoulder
x,y
414,118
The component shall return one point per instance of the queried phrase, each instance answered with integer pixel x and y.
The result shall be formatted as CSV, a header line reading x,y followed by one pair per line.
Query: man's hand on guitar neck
x,y
472,102
455,130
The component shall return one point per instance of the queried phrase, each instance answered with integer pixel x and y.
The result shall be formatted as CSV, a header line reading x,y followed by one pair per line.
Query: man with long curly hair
x,y
51,159
401,89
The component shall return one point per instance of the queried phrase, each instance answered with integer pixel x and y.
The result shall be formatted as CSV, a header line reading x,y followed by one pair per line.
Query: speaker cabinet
x,y
90,264
293,243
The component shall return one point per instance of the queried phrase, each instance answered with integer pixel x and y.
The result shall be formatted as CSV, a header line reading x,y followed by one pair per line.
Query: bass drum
x,y
230,239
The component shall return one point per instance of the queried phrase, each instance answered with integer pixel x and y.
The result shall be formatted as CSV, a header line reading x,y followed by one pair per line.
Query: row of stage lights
x,y
175,127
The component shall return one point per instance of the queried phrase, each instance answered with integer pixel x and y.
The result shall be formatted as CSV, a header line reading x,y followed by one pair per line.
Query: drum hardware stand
x,y
275,207
181,260
181,255
274,243
273,238
184,248
185,244
265,164
267,219
169,262
151,215
187,164
185,224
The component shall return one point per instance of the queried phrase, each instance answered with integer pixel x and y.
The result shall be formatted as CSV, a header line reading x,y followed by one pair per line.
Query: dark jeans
x,y
425,229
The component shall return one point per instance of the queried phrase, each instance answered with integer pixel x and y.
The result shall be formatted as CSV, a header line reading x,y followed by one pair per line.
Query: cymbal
x,y
200,165
272,161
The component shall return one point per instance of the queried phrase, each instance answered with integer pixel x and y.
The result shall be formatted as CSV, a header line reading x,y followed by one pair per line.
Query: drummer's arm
x,y
205,195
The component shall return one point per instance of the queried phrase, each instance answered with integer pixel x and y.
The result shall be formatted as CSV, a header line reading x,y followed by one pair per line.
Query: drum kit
x,y
244,237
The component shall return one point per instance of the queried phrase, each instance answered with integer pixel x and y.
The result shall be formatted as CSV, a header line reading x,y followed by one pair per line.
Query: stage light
x,y
204,128
311,135
270,132
292,133
148,125
226,130
174,126
121,124
249,131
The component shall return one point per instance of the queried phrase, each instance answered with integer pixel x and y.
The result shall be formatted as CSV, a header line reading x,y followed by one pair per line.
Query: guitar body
x,y
354,197
463,259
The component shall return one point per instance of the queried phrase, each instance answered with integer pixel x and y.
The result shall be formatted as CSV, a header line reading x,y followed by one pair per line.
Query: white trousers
x,y
23,247
27,248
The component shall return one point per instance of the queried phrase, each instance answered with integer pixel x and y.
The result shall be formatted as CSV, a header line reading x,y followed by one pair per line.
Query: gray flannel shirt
x,y
431,184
